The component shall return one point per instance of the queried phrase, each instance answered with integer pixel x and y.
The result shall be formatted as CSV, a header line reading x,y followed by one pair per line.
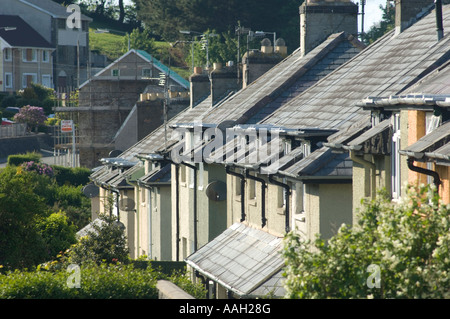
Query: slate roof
x,y
52,8
286,80
429,143
387,67
23,36
157,176
243,259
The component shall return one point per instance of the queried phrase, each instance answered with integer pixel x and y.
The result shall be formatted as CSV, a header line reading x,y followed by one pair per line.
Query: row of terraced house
x,y
222,181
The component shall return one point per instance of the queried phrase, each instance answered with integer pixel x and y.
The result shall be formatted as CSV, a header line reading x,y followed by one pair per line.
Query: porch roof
x,y
244,260
158,176
435,142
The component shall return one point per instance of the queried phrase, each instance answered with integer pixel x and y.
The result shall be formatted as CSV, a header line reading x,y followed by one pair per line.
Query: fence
x,y
13,130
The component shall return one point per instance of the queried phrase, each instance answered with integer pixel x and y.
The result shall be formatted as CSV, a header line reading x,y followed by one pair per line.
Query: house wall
x,y
361,185
444,188
19,68
128,218
186,205
327,207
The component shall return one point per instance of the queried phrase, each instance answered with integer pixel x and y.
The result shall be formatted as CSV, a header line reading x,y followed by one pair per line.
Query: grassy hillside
x,y
114,45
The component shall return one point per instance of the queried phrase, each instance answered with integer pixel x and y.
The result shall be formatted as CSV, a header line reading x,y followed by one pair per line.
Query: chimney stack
x,y
223,81
200,86
406,12
321,18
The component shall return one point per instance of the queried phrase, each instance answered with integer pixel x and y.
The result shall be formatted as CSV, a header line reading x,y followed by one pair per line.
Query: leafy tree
x,y
20,208
168,17
397,250
386,24
141,40
106,242
57,233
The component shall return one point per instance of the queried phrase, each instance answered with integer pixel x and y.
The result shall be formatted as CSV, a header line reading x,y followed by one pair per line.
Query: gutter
x,y
435,175
195,203
287,194
242,177
263,195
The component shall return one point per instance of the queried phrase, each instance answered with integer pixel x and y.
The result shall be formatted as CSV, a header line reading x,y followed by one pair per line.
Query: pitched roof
x,y
387,67
23,35
242,259
149,59
52,8
430,142
286,80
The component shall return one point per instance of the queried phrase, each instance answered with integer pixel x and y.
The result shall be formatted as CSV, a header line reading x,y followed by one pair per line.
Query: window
x,y
29,55
146,73
45,56
7,54
115,72
395,157
47,80
28,78
8,80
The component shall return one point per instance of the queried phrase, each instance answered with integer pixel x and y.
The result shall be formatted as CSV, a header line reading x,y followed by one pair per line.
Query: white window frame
x,y
395,157
7,54
115,70
10,75
149,71
33,53
24,79
45,56
48,78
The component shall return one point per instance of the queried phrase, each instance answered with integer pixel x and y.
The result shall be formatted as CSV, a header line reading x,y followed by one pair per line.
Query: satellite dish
x,y
126,204
216,191
91,190
119,224
115,153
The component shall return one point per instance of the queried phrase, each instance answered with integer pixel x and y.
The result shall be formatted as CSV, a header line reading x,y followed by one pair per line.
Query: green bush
x,y
57,233
397,250
73,176
8,101
105,281
106,242
18,159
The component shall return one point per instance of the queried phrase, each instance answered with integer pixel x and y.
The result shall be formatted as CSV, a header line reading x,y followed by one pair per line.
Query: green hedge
x,y
18,159
96,282
74,176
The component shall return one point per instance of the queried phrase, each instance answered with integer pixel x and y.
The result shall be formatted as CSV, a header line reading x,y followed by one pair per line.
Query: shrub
x,y
103,281
39,168
73,176
106,242
7,101
19,159
57,233
398,250
33,116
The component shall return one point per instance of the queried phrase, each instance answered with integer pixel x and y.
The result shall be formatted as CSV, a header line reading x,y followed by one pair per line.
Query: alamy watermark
x,y
374,279
73,21
74,279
